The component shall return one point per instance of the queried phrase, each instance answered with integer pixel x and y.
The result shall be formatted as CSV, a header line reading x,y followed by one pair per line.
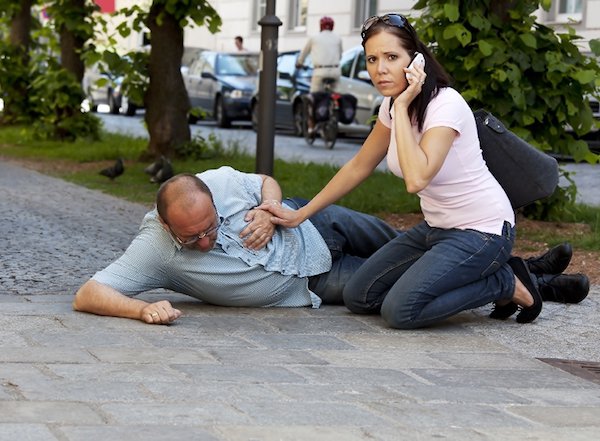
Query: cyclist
x,y
325,50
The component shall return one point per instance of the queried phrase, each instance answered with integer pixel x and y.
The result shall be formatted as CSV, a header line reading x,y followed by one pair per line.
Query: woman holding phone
x,y
458,258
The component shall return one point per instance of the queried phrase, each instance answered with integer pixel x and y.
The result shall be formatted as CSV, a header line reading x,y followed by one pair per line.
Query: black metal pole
x,y
265,136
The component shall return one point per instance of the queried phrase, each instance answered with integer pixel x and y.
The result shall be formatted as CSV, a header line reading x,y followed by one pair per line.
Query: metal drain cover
x,y
588,370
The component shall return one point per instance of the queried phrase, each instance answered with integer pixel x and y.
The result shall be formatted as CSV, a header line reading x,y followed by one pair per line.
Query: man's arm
x,y
101,299
304,53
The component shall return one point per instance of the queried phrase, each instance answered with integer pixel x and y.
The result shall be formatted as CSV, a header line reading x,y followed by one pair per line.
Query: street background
x,y
243,374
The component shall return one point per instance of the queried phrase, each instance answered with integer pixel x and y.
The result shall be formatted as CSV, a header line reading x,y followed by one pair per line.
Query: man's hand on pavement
x,y
160,313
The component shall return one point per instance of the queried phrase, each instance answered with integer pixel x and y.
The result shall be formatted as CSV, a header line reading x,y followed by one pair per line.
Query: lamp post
x,y
265,137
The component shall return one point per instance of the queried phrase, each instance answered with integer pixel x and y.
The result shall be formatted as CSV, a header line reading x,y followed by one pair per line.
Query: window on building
x,y
569,10
259,11
298,12
363,9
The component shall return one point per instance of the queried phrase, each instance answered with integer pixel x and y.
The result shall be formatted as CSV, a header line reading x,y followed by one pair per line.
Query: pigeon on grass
x,y
114,171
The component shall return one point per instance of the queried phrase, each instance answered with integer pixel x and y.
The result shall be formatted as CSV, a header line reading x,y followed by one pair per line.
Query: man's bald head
x,y
181,190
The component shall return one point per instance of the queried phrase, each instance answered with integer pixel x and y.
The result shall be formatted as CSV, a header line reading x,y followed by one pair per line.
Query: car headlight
x,y
236,94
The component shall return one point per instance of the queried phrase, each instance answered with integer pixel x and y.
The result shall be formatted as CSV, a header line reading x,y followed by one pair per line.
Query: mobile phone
x,y
418,59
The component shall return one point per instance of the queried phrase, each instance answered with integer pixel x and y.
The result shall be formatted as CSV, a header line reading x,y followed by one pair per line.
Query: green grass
x,y
382,193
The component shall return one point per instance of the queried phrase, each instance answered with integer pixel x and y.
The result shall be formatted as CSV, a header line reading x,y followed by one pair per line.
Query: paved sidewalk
x,y
236,374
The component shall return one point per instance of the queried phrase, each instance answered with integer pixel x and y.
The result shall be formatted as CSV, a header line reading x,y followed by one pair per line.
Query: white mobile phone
x,y
417,60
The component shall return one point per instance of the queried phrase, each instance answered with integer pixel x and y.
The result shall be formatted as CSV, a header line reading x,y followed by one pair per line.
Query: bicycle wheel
x,y
329,131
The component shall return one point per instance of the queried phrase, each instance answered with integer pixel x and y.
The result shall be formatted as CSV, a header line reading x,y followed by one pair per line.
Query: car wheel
x,y
220,116
112,104
130,109
298,129
254,113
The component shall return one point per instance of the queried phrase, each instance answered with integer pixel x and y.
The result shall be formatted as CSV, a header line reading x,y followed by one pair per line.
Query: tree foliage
x,y
536,80
41,67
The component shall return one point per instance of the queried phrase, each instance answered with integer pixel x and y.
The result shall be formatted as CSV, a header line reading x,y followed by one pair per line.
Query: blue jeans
x,y
351,237
429,274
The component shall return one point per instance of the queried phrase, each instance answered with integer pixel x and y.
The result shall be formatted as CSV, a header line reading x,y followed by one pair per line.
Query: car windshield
x,y
237,64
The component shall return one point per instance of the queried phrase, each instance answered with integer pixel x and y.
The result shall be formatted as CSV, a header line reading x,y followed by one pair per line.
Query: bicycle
x,y
328,128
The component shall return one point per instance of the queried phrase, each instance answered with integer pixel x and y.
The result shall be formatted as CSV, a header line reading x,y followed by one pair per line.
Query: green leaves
x,y
535,79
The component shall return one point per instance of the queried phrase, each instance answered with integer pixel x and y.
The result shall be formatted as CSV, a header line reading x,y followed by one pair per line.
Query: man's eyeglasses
x,y
197,237
395,20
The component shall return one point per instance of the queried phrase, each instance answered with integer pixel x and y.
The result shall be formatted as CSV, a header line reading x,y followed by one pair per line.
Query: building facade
x,y
300,19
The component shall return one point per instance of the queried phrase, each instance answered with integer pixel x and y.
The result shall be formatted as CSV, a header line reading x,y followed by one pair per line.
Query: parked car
x,y
222,84
293,82
103,87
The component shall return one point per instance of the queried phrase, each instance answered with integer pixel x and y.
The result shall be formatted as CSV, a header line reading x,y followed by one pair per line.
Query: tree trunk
x,y
71,45
166,99
21,26
15,94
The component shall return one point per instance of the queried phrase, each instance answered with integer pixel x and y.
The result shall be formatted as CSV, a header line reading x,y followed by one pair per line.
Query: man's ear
x,y
163,223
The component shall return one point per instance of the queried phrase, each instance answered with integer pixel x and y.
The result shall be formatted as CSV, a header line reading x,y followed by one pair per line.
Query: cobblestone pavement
x,y
235,374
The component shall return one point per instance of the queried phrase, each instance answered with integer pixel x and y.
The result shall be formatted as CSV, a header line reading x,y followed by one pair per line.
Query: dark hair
x,y
179,186
239,38
437,77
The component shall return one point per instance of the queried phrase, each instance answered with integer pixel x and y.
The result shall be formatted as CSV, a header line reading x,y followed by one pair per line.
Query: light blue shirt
x,y
229,274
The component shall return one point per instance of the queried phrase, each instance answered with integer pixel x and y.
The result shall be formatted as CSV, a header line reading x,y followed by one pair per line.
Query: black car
x,y
222,84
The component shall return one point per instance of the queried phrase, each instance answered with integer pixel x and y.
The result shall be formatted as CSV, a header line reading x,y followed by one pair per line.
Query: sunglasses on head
x,y
395,20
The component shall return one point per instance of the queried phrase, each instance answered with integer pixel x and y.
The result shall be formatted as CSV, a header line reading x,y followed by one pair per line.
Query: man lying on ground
x,y
207,239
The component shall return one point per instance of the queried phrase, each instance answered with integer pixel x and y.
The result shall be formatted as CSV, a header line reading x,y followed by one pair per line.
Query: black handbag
x,y
525,173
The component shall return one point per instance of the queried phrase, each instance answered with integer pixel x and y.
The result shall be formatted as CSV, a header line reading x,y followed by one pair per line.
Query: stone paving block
x,y
25,432
299,342
550,396
231,324
264,357
339,392
198,341
537,434
469,360
11,298
186,414
12,375
13,339
320,325
426,342
81,339
310,432
513,378
463,416
208,392
351,376
132,372
432,394
152,355
45,355
554,416
236,374
381,359
98,391
309,413
137,433
47,412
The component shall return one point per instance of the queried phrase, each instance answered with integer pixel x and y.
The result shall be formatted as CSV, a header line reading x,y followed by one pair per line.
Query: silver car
x,y
222,84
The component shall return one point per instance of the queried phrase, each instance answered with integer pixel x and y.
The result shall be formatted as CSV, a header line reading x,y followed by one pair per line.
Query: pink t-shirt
x,y
463,194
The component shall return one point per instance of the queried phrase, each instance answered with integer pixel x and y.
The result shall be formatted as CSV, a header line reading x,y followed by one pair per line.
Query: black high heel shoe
x,y
502,312
529,313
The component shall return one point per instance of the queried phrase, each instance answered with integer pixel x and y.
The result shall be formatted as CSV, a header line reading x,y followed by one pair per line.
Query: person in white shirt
x,y
325,51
